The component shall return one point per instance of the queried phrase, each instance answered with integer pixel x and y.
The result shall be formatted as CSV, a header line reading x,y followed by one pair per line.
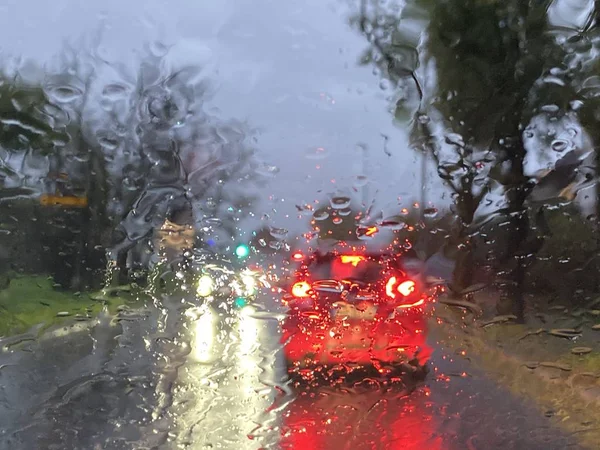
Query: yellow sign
x,y
67,201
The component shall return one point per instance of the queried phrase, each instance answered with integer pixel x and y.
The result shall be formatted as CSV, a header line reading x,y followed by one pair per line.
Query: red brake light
x,y
405,288
297,256
301,289
352,259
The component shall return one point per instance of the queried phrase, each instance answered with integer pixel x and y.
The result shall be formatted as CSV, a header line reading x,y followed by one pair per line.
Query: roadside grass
x,y
33,300
537,367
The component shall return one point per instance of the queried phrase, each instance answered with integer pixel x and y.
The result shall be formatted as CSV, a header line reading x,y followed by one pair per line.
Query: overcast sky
x,y
288,68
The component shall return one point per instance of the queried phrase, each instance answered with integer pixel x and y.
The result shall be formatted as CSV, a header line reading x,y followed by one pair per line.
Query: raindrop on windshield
x,y
560,145
114,92
64,94
278,233
321,215
360,181
340,202
268,170
316,153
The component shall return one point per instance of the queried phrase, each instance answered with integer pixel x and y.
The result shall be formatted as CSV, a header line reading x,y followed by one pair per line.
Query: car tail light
x,y
301,289
395,287
352,259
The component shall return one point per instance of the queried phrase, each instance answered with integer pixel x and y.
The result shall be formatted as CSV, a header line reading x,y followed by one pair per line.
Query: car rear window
x,y
346,267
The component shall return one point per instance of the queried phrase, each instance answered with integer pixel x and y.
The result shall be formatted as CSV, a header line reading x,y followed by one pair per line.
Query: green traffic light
x,y
242,251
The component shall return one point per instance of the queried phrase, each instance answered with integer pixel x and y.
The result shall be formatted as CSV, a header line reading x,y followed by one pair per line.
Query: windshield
x,y
169,172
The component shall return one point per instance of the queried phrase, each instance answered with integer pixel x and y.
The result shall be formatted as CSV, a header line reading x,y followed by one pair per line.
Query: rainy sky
x,y
287,68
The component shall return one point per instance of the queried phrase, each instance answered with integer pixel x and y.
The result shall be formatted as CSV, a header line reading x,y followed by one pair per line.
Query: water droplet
x,y
278,233
158,49
455,139
268,170
393,223
345,212
64,94
320,215
424,119
360,181
576,105
212,222
340,202
114,91
364,233
316,153
384,85
337,220
275,245
559,145
430,212
550,108
305,210
108,143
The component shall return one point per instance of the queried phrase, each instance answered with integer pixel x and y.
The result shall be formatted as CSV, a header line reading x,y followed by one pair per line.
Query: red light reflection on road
x,y
361,418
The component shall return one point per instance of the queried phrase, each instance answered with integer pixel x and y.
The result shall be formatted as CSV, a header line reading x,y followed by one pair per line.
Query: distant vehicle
x,y
354,313
224,282
214,277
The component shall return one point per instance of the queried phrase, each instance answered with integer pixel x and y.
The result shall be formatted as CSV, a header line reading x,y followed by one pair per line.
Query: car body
x,y
354,313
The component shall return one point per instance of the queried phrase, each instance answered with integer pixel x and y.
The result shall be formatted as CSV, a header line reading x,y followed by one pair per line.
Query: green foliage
x,y
32,300
25,119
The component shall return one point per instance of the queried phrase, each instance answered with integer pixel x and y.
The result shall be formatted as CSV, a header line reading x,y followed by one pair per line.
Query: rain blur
x,y
358,224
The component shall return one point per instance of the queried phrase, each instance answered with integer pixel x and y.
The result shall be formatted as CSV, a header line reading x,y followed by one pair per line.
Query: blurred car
x,y
225,282
207,276
355,314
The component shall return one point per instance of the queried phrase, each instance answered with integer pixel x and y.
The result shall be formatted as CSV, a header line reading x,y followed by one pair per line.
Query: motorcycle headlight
x,y
205,286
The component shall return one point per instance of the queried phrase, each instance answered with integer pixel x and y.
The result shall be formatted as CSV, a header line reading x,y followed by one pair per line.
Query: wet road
x,y
142,384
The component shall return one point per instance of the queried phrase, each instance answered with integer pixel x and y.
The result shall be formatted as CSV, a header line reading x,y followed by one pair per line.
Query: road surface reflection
x,y
351,419
95,390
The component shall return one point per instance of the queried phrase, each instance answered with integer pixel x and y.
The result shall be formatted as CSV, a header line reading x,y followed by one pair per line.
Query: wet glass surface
x,y
168,173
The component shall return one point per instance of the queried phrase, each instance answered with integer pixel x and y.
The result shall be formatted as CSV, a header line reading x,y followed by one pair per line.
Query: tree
x,y
487,57
186,156
136,145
